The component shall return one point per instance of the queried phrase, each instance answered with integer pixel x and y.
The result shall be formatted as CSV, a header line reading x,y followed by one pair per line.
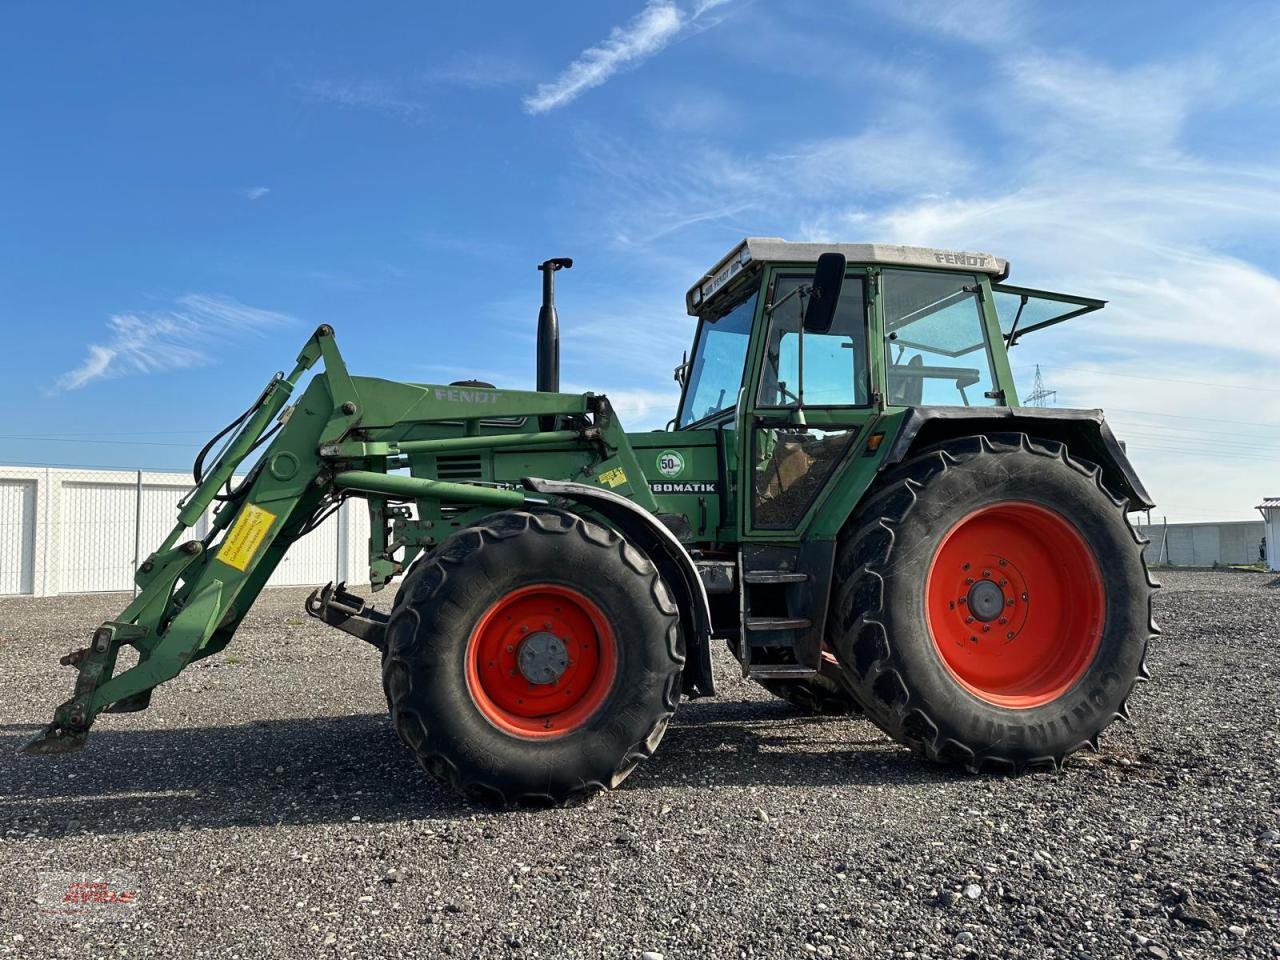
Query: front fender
x,y
647,533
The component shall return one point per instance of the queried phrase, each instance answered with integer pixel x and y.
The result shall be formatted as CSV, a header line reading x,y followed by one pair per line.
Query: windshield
x,y
715,373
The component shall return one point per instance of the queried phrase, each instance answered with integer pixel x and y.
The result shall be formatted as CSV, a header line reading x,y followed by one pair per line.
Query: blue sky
x,y
186,192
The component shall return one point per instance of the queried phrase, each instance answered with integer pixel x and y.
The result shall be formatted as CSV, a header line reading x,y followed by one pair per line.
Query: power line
x,y
1198,383
123,443
1207,437
1200,452
137,433
1174,416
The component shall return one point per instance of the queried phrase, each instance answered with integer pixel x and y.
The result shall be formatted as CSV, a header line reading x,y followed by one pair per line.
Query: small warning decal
x,y
246,535
613,478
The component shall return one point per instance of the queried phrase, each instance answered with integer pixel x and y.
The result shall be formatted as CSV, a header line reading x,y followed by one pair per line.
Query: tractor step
x,y
780,671
778,623
773,576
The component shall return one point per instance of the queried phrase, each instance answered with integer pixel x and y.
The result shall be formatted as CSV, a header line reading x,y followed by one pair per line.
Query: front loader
x,y
849,496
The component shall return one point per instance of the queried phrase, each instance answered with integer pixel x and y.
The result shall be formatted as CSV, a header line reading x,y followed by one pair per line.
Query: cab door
x,y
806,402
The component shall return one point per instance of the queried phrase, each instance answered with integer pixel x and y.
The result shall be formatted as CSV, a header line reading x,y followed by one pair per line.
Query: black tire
x,y
443,598
822,695
881,633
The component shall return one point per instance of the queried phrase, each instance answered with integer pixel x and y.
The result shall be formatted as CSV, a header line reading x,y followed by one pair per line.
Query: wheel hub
x,y
542,657
985,600
1015,603
541,660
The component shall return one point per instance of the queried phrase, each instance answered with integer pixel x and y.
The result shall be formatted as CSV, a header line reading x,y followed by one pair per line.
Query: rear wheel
x,y
993,606
533,659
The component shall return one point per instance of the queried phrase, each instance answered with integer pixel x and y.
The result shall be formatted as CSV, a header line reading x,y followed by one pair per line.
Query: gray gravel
x,y
267,809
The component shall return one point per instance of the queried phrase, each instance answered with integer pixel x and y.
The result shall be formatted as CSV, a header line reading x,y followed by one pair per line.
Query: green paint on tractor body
x,y
782,429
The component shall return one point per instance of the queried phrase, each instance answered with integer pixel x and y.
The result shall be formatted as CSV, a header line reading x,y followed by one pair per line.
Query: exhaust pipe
x,y
549,334
549,327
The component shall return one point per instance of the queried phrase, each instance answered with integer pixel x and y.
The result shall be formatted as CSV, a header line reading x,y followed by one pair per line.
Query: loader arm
x,y
193,593
343,437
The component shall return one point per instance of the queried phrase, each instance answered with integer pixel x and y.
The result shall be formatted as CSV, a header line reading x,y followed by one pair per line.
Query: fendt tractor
x,y
849,495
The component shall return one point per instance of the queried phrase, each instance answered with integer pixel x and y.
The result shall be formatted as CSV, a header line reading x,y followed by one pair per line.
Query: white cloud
x,y
648,32
1104,189
254,193
380,96
906,155
1090,177
185,335
478,71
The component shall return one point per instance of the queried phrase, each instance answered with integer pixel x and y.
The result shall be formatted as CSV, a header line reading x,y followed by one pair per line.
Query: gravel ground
x,y
265,808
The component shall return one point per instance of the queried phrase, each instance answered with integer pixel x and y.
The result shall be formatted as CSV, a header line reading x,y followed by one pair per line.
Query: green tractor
x,y
849,495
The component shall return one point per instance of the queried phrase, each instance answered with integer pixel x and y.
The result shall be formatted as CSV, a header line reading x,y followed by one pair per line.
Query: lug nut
x,y
969,580
968,619
1004,620
986,627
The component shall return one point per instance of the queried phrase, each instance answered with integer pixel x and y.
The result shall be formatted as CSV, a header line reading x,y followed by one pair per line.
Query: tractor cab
x,y
808,366
912,326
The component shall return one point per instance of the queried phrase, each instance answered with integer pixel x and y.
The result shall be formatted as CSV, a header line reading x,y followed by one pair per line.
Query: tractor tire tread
x,y
428,576
865,645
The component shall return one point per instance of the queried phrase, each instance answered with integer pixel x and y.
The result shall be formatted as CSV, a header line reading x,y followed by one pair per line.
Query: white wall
x,y
83,531
1271,516
1203,544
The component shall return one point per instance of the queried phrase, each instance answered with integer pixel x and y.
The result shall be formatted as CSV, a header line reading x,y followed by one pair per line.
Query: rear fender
x,y
1085,432
646,533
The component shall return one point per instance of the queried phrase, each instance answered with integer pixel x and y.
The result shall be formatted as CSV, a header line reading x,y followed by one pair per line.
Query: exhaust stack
x,y
549,328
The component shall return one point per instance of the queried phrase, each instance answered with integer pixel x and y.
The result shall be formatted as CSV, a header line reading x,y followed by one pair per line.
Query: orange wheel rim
x,y
541,661
1014,604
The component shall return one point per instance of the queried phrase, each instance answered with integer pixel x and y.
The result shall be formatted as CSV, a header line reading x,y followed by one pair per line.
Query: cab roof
x,y
774,249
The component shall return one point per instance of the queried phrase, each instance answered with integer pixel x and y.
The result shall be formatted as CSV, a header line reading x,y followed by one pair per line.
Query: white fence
x,y
85,531
1204,544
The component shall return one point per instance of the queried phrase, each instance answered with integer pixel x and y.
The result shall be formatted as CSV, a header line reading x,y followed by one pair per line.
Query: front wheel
x,y
533,659
995,607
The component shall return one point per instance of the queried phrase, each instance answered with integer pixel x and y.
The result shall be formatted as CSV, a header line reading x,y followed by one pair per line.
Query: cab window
x,y
935,340
715,372
833,365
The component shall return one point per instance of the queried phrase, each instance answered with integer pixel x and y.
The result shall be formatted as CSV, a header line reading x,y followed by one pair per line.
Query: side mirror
x,y
828,278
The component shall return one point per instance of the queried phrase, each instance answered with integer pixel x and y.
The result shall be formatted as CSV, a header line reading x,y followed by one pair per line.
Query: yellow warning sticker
x,y
613,478
247,534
